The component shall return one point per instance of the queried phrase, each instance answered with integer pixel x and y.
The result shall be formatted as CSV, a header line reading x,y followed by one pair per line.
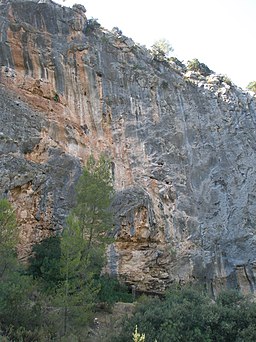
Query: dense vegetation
x,y
55,296
189,314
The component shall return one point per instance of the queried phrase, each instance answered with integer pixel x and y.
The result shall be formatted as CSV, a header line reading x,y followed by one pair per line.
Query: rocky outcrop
x,y
36,174
182,146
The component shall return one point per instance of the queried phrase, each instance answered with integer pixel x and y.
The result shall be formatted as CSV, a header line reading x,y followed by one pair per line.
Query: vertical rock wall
x,y
182,145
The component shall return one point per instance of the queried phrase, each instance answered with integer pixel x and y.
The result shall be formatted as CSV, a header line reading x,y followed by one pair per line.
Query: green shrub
x,y
22,313
177,62
44,264
111,291
195,65
8,239
227,80
189,314
92,24
56,98
252,86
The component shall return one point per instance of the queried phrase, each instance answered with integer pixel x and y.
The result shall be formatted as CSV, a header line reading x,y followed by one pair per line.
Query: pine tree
x,y
8,237
161,49
21,316
83,243
94,195
76,295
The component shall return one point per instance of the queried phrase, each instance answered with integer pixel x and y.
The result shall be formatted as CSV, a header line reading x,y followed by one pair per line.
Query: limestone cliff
x,y
182,144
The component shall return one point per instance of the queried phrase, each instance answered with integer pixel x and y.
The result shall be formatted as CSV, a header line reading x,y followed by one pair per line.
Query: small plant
x,y
56,98
92,24
116,31
252,86
195,65
227,80
137,337
176,61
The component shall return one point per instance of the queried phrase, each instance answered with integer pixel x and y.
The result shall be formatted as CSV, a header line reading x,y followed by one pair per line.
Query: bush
x,y
189,314
111,291
252,86
44,264
8,239
92,24
116,30
22,313
195,65
227,80
176,61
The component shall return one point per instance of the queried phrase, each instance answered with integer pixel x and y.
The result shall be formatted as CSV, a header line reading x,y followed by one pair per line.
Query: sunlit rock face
x,y
182,147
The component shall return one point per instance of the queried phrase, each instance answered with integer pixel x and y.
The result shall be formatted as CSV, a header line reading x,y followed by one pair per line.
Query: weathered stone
x,y
182,148
36,174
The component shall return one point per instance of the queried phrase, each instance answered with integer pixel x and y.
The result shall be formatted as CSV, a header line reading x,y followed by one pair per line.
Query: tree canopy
x,y
83,244
54,297
161,49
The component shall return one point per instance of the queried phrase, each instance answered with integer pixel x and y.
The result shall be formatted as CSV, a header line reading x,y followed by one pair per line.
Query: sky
x,y
219,33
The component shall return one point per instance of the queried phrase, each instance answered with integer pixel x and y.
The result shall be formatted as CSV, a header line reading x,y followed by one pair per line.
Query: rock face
x,y
182,145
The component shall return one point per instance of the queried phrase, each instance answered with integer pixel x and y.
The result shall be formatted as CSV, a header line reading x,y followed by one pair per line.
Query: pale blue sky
x,y
220,33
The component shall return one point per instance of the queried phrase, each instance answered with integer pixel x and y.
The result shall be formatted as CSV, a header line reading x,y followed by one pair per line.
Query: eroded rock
x,y
182,146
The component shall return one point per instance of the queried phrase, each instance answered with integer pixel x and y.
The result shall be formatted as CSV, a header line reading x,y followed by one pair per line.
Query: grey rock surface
x,y
41,191
182,145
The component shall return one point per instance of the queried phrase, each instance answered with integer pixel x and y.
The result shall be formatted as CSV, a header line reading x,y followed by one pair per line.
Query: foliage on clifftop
x,y
252,86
